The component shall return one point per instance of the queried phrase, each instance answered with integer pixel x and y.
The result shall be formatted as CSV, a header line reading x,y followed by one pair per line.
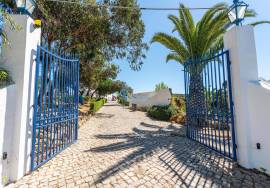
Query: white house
x,y
111,97
148,99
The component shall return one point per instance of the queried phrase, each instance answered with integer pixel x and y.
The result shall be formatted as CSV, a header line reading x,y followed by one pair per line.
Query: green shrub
x,y
95,106
162,112
3,75
179,101
142,109
104,100
4,78
87,99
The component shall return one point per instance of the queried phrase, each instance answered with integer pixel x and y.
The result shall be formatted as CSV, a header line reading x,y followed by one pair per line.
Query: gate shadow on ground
x,y
186,161
103,115
111,104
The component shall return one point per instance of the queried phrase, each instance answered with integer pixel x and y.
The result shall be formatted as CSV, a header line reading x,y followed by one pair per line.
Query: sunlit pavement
x,y
122,148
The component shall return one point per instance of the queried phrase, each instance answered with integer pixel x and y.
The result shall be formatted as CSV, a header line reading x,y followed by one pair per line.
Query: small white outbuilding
x,y
148,99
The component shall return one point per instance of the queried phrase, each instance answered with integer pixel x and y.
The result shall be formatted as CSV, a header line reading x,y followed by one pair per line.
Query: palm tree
x,y
161,86
194,41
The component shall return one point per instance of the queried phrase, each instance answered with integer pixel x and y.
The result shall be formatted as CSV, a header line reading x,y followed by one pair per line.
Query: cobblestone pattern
x,y
121,148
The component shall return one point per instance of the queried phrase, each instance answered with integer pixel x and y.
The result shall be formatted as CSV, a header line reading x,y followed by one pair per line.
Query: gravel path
x,y
121,148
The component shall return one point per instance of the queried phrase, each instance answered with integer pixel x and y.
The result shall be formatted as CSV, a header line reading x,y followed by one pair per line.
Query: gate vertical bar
x,y
231,106
77,98
35,109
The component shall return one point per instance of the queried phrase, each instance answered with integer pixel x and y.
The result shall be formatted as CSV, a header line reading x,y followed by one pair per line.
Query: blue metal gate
x,y
55,121
209,104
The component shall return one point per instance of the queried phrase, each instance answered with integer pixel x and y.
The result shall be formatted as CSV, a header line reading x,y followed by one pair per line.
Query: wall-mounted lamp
x,y
237,12
25,6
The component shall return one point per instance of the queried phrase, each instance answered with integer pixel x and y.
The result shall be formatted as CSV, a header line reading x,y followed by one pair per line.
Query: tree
x,y
93,31
161,86
96,72
194,41
126,90
97,35
109,86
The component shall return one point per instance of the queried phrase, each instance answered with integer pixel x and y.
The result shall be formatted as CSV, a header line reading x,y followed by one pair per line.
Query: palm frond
x,y
212,22
184,28
211,13
174,57
259,23
171,43
250,13
195,40
215,29
187,17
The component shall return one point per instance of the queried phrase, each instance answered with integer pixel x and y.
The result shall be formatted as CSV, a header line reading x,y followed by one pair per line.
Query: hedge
x,y
162,112
96,105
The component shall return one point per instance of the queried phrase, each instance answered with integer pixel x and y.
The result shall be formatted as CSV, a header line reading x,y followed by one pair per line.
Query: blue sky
x,y
156,70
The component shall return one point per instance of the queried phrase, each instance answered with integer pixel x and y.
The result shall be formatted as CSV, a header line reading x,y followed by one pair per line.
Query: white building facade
x,y
148,99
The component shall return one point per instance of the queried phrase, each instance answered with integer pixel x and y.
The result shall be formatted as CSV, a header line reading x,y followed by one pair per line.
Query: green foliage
x,y
87,99
92,74
217,102
179,101
3,75
95,33
143,109
196,39
109,86
161,86
126,91
4,78
96,105
162,112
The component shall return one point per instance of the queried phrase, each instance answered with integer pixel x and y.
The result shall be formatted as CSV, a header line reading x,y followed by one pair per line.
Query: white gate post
x,y
240,42
18,59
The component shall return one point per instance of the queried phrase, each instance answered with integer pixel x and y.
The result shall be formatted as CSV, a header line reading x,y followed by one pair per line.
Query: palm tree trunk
x,y
196,108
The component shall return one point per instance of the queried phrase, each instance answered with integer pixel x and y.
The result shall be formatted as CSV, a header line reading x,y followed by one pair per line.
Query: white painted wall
x,y
111,96
251,100
18,59
149,99
162,97
259,117
7,103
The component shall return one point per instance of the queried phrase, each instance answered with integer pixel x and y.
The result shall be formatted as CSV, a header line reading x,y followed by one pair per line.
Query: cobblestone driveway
x,y
120,148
